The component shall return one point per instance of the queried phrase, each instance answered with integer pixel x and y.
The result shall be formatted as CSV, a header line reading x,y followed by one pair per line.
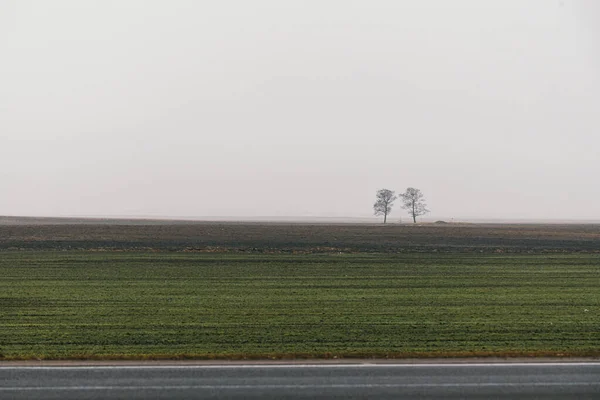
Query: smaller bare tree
x,y
383,203
414,202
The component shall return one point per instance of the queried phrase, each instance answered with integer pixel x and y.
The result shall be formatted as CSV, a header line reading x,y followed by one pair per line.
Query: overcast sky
x,y
299,108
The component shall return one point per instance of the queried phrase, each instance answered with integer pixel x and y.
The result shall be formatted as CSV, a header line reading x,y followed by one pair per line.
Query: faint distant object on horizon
x,y
414,202
383,203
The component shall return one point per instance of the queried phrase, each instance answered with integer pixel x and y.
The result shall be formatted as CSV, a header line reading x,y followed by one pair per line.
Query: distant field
x,y
303,238
61,304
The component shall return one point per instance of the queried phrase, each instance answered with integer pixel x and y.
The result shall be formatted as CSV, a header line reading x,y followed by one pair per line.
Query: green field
x,y
162,304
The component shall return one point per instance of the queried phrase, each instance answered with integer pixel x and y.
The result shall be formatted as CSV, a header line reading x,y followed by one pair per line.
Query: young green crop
x,y
120,304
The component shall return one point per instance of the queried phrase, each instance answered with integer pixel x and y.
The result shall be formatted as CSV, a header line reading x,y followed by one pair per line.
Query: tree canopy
x,y
414,202
383,202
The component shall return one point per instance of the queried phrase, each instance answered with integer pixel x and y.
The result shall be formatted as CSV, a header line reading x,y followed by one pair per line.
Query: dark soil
x,y
295,237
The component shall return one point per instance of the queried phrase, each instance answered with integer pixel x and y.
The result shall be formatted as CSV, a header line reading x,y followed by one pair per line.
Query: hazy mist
x,y
299,108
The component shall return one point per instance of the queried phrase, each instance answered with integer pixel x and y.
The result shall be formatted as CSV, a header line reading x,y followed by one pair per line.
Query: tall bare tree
x,y
383,203
414,202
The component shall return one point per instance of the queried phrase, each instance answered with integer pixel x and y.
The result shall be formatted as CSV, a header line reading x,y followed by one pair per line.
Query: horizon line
x,y
292,218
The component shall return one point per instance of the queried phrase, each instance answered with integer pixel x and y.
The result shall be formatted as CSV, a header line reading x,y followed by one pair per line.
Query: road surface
x,y
303,381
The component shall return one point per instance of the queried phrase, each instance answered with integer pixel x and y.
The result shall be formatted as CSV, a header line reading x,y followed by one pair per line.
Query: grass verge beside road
x,y
57,305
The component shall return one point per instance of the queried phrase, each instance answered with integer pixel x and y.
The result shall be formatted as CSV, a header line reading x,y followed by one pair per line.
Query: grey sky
x,y
299,108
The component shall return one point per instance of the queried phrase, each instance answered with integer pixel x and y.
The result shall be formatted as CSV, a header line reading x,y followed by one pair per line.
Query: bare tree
x,y
383,203
414,202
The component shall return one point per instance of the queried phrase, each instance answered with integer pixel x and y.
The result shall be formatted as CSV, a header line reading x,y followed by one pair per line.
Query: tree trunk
x,y
384,218
413,214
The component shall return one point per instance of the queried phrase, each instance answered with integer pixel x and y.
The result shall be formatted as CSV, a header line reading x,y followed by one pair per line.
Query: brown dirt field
x,y
295,237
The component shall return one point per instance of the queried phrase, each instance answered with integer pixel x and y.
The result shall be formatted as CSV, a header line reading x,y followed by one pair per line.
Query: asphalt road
x,y
354,381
